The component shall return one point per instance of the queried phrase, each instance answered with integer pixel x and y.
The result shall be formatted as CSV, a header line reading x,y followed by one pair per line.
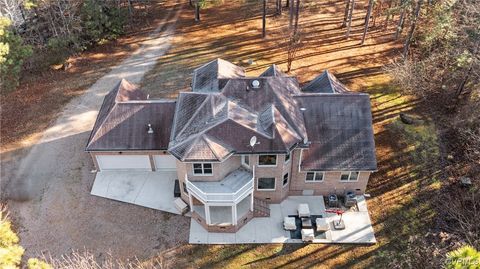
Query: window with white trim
x,y
349,176
314,176
246,160
266,184
267,160
287,157
202,169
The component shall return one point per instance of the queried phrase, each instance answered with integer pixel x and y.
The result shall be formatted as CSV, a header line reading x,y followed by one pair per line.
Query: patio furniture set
x,y
307,228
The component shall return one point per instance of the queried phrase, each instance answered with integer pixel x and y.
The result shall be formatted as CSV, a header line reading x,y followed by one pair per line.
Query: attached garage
x,y
124,162
165,163
132,132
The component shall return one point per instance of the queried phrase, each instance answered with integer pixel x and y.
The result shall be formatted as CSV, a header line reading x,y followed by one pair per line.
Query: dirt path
x,y
49,192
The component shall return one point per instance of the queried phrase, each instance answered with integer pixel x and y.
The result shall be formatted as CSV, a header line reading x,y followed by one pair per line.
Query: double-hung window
x,y
267,160
314,176
202,169
287,157
349,176
266,184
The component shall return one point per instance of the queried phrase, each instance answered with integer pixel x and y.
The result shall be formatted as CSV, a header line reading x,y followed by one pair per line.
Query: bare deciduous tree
x,y
413,25
401,20
350,15
347,10
292,41
367,19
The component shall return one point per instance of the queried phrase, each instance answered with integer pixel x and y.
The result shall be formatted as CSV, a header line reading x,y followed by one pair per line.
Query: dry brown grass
x,y
232,31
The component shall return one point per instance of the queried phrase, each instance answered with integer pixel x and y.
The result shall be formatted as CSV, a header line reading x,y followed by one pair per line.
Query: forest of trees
x,y
38,33
441,66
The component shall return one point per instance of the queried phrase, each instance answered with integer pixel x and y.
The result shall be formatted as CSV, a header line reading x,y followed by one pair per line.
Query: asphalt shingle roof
x,y
216,120
325,83
340,132
123,119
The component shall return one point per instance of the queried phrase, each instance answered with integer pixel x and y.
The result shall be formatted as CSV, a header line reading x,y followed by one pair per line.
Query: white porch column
x,y
234,214
207,214
190,200
253,187
251,201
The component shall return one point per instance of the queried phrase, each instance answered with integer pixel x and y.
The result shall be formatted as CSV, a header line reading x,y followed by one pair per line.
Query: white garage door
x,y
124,162
165,162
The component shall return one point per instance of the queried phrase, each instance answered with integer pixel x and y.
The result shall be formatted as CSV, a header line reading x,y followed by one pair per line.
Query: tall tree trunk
x,y
401,22
388,14
197,11
345,16
350,15
367,20
130,12
292,6
297,14
264,19
406,47
279,7
467,76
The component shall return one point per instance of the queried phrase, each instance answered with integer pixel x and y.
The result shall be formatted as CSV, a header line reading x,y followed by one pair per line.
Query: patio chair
x,y
322,225
303,211
289,224
308,235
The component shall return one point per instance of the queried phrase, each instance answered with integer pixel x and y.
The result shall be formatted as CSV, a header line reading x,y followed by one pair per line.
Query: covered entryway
x,y
165,163
124,162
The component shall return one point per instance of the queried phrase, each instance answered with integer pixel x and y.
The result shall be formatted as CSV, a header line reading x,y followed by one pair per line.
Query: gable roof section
x,y
273,71
325,83
212,76
340,132
122,122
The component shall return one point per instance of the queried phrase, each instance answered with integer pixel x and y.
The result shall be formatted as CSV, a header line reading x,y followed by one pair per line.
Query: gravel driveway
x,y
49,192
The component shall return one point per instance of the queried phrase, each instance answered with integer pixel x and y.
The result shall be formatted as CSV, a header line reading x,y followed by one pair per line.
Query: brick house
x,y
238,143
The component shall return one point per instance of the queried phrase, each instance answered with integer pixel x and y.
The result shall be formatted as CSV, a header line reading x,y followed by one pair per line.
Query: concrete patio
x,y
155,190
148,189
358,230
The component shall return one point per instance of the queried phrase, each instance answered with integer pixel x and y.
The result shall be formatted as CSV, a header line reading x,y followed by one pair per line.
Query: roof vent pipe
x,y
256,84
150,130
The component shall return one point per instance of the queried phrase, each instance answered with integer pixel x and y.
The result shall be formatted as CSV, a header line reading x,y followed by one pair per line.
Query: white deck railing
x,y
233,197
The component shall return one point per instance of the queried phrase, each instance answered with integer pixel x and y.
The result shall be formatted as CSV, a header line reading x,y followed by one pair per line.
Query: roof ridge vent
x,y
150,129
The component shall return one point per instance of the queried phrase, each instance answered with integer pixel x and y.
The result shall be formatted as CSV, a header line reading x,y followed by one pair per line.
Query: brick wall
x,y
330,184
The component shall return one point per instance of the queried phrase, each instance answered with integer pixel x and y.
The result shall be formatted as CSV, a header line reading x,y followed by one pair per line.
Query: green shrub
x,y
59,49
465,257
101,21
38,264
10,252
12,54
